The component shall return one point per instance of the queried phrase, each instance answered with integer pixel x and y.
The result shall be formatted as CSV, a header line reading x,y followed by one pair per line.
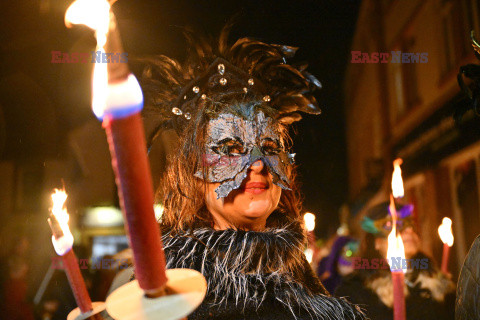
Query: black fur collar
x,y
250,268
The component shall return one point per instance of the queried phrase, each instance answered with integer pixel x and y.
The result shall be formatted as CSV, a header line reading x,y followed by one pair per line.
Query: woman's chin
x,y
258,208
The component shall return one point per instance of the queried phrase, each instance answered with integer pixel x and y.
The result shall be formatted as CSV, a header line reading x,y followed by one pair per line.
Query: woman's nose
x,y
257,166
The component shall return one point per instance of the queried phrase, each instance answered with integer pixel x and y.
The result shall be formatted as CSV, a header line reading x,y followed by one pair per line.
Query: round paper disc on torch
x,y
76,314
186,287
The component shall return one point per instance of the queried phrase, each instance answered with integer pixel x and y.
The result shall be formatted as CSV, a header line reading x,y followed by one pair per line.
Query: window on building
x,y
409,71
405,79
108,245
459,18
467,197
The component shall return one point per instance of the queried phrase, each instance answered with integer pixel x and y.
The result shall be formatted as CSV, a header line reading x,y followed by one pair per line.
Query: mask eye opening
x,y
230,147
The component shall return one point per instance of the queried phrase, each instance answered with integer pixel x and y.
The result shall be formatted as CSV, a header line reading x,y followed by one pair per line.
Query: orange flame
x,y
397,181
63,244
106,98
395,251
445,231
95,14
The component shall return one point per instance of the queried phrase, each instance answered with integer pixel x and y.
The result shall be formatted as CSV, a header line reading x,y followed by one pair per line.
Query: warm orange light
x,y
95,14
62,244
395,251
445,231
397,181
106,98
309,219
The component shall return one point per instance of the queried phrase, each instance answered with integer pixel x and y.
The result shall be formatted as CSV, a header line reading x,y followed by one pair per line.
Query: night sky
x,y
322,29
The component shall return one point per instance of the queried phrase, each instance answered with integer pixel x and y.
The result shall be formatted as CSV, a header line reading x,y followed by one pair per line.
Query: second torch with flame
x,y
446,235
62,240
396,251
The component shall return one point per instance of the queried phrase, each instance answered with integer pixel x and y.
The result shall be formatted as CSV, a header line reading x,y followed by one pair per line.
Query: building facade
x,y
403,106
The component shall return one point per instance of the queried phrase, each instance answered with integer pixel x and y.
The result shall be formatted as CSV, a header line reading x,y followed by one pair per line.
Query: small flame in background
x,y
59,211
309,255
63,244
445,231
95,14
395,243
309,219
397,181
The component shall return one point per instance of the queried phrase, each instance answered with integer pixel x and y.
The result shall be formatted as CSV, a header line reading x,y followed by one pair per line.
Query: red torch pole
x,y
398,279
446,252
126,140
130,164
70,263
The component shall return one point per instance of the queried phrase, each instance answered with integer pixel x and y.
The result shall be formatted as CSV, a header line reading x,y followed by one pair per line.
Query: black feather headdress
x,y
216,75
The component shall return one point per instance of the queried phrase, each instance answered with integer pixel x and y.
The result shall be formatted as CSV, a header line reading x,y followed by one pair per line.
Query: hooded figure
x,y
232,210
338,263
429,294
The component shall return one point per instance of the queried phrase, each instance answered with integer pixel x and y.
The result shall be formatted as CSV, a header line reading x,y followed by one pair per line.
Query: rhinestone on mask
x,y
291,157
177,111
221,69
245,89
251,82
187,116
223,81
204,96
267,98
196,89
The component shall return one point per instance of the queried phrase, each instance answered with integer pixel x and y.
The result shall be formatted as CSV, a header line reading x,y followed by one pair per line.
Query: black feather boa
x,y
254,275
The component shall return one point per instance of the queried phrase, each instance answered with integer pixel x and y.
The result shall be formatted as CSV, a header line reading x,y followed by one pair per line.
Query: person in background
x,y
429,293
14,295
338,263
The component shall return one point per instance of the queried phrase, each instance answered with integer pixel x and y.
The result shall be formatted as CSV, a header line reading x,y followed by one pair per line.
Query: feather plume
x,y
168,84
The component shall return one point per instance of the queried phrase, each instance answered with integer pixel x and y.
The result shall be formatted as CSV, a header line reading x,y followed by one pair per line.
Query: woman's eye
x,y
236,149
270,147
230,147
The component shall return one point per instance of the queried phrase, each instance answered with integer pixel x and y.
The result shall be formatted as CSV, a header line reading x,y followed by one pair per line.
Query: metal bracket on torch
x,y
55,227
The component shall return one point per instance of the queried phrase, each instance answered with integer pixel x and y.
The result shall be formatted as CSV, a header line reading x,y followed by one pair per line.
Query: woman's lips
x,y
255,187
